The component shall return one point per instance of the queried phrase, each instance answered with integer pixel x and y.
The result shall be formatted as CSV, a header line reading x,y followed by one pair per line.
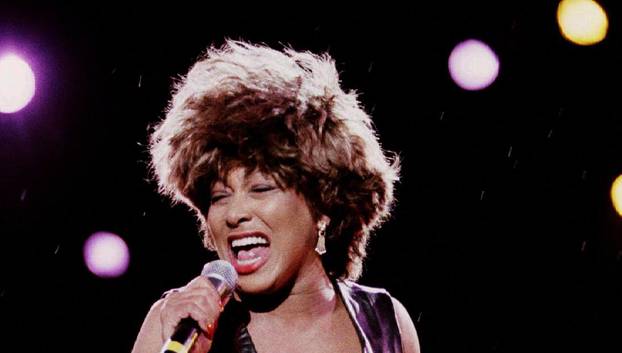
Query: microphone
x,y
223,277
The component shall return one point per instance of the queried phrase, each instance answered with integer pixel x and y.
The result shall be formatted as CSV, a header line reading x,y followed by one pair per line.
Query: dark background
x,y
504,238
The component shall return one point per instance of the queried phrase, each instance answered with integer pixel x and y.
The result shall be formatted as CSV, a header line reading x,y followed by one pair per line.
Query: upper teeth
x,y
248,241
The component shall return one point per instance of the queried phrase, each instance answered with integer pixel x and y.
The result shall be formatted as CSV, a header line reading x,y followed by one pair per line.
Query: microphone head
x,y
222,269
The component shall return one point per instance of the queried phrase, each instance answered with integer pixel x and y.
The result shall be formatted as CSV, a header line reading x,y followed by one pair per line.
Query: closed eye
x,y
262,188
217,197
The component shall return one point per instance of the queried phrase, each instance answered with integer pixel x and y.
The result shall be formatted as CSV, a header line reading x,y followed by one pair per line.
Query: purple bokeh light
x,y
473,65
17,83
106,255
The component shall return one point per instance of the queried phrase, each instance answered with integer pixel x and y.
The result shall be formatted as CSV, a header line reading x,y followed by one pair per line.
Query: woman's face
x,y
267,233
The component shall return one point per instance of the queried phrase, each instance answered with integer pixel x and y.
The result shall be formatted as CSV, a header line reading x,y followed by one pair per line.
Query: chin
x,y
255,286
261,282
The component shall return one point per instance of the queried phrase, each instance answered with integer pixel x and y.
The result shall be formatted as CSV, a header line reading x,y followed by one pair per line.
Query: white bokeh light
x,y
17,83
106,255
473,65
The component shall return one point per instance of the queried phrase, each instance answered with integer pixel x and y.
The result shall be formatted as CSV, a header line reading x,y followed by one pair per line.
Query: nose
x,y
238,212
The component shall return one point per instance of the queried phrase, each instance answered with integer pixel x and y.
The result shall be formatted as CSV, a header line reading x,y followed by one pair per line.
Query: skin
x,y
293,304
254,203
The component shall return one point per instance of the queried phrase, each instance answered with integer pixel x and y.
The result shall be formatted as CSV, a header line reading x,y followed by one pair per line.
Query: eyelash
x,y
216,198
260,189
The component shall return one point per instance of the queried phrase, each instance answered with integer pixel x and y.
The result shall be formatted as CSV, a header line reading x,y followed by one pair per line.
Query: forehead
x,y
241,175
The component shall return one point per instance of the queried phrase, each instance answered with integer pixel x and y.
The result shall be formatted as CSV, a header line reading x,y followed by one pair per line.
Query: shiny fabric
x,y
371,311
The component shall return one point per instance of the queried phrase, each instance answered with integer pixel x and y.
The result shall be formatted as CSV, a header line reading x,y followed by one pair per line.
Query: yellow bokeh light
x,y
583,22
616,194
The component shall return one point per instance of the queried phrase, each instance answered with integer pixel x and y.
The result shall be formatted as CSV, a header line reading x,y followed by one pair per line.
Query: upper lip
x,y
246,234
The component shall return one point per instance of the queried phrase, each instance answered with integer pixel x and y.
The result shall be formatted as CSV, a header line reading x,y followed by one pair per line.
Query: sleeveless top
x,y
370,309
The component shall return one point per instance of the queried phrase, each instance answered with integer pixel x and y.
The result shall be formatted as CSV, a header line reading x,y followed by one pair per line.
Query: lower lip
x,y
245,269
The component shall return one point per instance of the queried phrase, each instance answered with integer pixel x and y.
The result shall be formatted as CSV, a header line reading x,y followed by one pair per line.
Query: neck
x,y
312,295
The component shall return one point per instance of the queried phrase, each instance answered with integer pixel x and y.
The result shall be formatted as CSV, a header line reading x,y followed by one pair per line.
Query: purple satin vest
x,y
373,315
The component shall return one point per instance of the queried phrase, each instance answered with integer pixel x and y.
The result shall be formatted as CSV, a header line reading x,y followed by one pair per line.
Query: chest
x,y
333,335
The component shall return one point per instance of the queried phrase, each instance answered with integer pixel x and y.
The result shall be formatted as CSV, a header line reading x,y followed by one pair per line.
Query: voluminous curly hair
x,y
282,113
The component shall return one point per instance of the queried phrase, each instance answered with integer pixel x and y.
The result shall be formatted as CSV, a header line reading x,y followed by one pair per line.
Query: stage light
x,y
582,22
616,195
106,255
473,65
17,83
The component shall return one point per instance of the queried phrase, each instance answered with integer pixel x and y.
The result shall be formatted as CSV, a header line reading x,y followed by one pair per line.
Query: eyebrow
x,y
247,180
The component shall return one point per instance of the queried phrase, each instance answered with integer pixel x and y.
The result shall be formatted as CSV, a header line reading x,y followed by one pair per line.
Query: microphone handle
x,y
188,329
183,338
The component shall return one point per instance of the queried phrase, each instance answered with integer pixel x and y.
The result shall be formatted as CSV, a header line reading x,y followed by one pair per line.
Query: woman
x,y
287,178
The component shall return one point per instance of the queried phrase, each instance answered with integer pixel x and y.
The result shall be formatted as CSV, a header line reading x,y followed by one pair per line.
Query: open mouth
x,y
249,252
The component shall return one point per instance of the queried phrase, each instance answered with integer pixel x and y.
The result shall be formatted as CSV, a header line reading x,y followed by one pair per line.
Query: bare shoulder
x,y
410,340
149,338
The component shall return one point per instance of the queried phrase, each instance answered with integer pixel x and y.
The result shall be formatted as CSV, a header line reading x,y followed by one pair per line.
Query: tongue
x,y
252,253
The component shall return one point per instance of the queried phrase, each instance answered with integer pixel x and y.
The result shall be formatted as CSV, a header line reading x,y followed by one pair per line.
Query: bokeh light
x,y
17,83
616,194
582,22
106,255
473,65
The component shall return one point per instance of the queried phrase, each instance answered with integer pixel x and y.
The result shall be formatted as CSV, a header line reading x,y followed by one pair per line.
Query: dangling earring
x,y
320,248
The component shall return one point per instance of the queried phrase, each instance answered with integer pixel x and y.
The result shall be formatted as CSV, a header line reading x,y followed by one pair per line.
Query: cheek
x,y
214,216
213,227
292,216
